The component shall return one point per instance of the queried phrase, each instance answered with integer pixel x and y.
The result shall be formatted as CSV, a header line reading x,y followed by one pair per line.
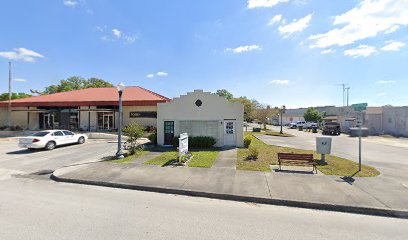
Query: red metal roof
x,y
132,96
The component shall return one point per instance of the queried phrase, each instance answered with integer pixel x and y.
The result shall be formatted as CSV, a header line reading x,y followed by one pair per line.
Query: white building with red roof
x,y
92,109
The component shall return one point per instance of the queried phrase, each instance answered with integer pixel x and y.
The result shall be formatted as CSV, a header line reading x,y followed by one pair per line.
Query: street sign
x,y
359,107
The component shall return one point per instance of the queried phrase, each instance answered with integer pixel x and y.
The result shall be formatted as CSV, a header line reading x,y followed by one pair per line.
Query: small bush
x,y
199,142
253,153
151,129
133,131
247,141
153,138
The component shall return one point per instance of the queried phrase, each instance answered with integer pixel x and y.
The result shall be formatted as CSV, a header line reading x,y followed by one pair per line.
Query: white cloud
x,y
326,51
264,3
150,75
21,54
382,94
279,82
386,82
366,20
360,51
117,33
70,3
161,74
129,38
275,19
19,80
242,49
392,46
296,25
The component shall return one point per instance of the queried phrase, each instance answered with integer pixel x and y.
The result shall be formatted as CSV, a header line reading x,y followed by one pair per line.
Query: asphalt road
x,y
37,208
15,160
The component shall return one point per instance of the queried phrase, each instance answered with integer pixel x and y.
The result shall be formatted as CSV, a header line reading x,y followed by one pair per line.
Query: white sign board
x,y
323,145
183,144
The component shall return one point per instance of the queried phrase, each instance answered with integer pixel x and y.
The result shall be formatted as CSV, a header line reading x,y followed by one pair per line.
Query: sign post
x,y
359,107
183,145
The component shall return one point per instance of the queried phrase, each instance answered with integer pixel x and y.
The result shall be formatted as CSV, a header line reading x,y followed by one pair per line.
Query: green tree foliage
x,y
5,96
312,115
76,83
225,93
133,131
249,107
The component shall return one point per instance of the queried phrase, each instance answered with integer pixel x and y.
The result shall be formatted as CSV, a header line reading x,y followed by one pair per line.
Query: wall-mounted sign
x,y
142,114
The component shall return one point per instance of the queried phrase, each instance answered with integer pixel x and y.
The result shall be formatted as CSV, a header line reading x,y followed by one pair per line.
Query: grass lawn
x,y
131,157
268,156
278,134
204,158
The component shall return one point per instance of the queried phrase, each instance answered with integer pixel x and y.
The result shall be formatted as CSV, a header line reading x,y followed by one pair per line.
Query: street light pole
x,y
281,111
119,153
9,97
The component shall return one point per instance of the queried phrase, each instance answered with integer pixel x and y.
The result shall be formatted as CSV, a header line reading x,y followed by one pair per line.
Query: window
x,y
200,128
68,133
40,134
58,134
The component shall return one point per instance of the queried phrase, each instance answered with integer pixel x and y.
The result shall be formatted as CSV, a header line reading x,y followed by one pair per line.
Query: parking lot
x,y
15,160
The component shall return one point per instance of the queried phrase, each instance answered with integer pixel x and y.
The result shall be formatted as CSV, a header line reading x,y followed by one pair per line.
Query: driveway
x,y
15,160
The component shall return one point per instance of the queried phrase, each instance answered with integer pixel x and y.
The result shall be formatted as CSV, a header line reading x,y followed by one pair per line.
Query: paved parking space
x,y
15,160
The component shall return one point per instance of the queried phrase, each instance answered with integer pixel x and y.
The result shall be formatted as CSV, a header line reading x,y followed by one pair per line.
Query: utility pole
x,y
9,97
344,91
347,88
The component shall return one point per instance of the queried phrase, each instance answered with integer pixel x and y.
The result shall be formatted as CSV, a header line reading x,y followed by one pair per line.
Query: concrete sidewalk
x,y
279,188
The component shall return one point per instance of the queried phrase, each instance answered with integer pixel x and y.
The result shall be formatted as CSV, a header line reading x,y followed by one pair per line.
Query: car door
x,y
69,137
58,137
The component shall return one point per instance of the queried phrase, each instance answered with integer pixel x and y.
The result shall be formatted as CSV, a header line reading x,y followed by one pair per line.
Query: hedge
x,y
199,141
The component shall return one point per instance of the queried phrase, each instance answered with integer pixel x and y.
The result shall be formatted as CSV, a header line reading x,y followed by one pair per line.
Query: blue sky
x,y
293,52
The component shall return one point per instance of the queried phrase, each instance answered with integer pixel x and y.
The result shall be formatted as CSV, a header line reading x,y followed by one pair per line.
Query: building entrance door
x,y
105,121
229,133
168,132
48,121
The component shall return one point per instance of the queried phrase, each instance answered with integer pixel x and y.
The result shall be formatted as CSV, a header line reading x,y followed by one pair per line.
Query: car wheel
x,y
50,145
81,140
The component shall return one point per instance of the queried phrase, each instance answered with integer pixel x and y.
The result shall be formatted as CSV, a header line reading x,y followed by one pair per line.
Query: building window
x,y
198,103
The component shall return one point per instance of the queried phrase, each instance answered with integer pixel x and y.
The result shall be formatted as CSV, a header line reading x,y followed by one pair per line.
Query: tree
x,y
249,107
133,131
263,114
312,115
225,93
76,83
5,96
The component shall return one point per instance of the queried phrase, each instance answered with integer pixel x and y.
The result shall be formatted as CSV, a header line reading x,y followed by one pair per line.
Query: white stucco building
x,y
201,114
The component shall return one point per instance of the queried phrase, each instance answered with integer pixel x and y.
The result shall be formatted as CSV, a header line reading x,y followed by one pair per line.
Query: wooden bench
x,y
296,159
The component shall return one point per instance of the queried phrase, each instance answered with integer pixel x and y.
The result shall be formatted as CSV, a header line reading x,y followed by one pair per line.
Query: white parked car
x,y
49,139
298,124
311,124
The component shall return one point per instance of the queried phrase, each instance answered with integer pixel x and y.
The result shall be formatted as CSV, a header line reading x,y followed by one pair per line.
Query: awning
x,y
330,118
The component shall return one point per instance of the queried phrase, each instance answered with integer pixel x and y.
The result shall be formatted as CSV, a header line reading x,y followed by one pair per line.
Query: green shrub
x,y
253,153
133,131
153,138
198,142
247,141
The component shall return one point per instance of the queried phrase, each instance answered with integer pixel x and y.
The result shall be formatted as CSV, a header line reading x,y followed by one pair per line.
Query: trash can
x,y
314,129
300,128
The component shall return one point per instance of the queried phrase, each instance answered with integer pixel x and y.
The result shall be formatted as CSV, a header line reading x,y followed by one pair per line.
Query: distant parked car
x,y
332,128
298,124
310,125
49,139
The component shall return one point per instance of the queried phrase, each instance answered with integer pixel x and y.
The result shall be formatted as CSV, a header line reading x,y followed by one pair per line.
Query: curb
x,y
279,202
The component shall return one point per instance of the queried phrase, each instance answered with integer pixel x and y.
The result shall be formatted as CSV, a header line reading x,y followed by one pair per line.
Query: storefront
x,y
93,109
201,114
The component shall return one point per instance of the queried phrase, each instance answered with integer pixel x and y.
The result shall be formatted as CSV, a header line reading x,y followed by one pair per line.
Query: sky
x,y
280,52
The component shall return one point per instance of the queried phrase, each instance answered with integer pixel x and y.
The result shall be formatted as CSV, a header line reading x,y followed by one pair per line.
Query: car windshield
x,y
40,134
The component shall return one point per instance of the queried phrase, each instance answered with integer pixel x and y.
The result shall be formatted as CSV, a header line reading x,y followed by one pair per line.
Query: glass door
x,y
105,121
